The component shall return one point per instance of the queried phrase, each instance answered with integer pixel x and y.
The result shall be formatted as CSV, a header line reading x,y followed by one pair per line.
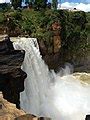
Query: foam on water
x,y
48,94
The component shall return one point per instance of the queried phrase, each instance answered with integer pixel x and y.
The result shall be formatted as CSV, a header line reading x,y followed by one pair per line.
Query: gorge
x,y
62,38
48,94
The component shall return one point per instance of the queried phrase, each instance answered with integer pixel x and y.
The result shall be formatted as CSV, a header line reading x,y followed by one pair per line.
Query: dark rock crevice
x,y
11,76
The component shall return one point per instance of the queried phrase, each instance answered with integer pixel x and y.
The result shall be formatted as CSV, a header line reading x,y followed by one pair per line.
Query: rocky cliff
x,y
51,54
11,76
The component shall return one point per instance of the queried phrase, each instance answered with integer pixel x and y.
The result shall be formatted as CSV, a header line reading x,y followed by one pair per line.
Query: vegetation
x,y
40,4
5,7
16,3
76,37
35,23
37,4
54,4
88,32
88,25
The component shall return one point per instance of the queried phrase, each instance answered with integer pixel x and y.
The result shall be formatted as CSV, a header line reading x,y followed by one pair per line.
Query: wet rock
x,y
43,47
83,76
52,60
87,117
11,76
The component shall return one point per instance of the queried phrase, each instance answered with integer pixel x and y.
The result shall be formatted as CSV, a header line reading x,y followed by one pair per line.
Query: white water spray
x,y
47,94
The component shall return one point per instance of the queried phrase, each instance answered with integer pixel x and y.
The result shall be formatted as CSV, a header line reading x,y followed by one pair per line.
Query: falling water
x,y
48,94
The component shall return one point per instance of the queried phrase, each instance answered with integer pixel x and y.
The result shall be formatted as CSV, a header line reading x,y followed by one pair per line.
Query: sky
x,y
2,1
79,4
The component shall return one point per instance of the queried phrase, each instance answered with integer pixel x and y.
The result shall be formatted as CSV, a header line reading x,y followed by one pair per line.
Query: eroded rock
x,y
11,76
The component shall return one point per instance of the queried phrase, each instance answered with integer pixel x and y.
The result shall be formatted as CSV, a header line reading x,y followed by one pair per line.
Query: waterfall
x,y
46,93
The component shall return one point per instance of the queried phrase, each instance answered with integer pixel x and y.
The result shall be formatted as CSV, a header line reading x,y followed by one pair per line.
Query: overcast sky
x,y
79,4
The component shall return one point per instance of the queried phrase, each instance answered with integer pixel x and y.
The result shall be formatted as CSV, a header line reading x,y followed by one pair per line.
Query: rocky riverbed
x,y
83,77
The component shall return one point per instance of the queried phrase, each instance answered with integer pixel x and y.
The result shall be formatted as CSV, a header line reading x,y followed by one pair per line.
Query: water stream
x,y
46,93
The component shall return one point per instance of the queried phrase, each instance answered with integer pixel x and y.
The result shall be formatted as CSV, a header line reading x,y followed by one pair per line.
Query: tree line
x,y
38,4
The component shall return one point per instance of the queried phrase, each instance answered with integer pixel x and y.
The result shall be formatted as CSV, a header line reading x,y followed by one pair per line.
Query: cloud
x,y
3,1
79,6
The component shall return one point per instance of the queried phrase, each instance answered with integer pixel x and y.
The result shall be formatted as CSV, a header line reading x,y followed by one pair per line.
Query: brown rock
x,y
8,111
43,47
57,43
25,117
56,26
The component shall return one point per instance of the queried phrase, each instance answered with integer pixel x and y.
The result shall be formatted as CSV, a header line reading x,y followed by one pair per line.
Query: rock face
x,y
11,75
56,36
51,54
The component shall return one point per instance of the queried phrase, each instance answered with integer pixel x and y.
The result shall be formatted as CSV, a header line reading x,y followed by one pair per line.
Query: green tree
x,y
40,3
54,4
16,3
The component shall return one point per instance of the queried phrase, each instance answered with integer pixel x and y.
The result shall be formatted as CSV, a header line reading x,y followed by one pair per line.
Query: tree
x,y
16,3
40,3
54,4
